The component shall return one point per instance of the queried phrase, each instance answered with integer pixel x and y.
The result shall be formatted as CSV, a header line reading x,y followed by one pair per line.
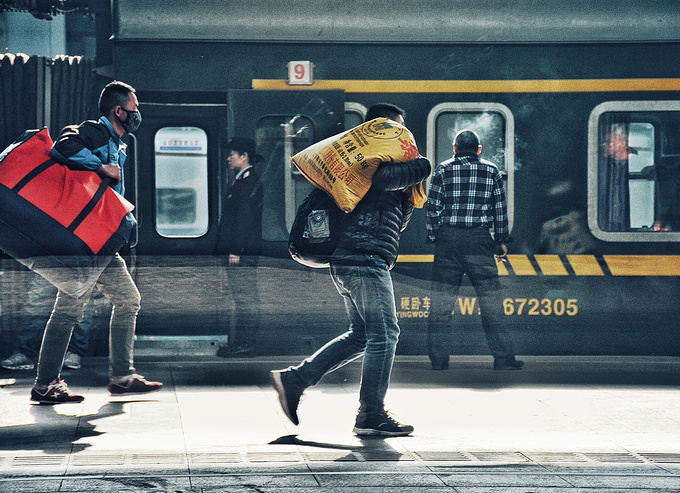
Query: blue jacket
x,y
89,145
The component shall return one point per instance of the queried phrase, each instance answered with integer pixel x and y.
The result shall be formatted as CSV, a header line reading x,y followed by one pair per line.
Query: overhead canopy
x,y
398,21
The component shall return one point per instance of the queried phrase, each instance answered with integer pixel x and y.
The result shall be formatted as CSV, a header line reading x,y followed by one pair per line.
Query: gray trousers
x,y
116,284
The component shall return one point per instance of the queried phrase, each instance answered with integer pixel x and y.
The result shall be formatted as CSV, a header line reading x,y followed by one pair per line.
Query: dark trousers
x,y
460,251
240,285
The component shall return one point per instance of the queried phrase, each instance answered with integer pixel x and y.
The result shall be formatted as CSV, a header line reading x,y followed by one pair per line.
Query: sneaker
x,y
57,392
135,384
18,361
72,361
381,425
509,363
289,392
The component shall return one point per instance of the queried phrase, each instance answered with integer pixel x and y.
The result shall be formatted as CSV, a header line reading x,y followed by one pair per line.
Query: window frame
x,y
206,156
358,108
509,172
593,171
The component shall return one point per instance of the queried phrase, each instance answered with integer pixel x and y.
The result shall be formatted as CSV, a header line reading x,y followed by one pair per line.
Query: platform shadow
x,y
52,432
371,447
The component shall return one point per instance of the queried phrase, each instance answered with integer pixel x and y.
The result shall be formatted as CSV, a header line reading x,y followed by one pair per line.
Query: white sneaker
x,y
18,361
72,361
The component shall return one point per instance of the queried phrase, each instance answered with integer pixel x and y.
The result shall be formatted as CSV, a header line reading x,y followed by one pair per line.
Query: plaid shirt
x,y
468,191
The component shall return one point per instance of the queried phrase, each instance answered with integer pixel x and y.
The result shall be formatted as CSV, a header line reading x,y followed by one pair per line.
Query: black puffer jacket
x,y
375,225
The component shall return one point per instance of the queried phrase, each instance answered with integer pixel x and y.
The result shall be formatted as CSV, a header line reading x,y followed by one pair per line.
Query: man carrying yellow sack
x,y
343,165
367,249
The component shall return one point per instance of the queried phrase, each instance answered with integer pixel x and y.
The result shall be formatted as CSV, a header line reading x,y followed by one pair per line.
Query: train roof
x,y
398,21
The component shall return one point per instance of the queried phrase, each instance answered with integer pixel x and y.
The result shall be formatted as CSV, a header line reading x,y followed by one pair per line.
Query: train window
x,y
496,127
634,171
181,155
354,114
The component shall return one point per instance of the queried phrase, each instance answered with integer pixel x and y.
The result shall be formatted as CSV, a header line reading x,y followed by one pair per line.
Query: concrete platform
x,y
563,424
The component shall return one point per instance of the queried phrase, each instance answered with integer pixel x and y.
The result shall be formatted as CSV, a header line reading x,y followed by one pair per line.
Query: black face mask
x,y
134,120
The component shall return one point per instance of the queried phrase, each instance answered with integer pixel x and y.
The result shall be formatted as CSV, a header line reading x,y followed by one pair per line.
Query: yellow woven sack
x,y
343,165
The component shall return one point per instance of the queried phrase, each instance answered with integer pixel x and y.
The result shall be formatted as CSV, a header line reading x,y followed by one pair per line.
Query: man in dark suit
x,y
240,239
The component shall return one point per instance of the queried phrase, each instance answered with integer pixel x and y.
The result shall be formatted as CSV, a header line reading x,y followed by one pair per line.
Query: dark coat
x,y
375,225
240,231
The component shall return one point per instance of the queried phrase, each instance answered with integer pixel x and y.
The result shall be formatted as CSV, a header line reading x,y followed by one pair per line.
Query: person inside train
x,y
97,146
239,239
614,176
466,199
360,269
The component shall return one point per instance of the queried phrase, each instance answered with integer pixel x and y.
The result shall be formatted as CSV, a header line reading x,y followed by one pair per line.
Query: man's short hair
x,y
466,141
115,93
384,110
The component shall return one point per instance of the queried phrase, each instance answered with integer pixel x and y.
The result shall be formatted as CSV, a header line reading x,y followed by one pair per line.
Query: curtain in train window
x,y
627,188
613,193
181,173
639,171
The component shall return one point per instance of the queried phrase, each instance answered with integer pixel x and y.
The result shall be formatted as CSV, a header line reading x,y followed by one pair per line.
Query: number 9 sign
x,y
300,73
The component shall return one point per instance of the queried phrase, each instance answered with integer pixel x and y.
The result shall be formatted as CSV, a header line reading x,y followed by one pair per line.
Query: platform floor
x,y
563,424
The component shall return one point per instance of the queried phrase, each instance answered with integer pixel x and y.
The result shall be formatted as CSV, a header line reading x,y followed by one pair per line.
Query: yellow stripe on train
x,y
476,86
580,265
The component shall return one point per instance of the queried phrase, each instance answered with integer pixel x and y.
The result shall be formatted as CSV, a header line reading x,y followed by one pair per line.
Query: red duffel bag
x,y
61,223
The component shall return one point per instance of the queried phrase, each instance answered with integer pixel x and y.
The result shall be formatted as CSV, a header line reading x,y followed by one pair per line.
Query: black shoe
x,y
381,425
509,363
440,366
289,393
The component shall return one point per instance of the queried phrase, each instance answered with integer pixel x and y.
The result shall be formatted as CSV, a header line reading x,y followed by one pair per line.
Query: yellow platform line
x,y
477,86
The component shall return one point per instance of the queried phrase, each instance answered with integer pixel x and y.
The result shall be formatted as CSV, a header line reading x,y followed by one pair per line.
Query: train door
x,y
177,171
283,123
176,176
181,181
273,296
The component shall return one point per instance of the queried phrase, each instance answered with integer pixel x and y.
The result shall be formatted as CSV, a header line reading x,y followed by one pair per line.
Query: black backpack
x,y
314,234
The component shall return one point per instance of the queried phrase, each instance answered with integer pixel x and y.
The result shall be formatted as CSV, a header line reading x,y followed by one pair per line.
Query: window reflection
x,y
495,125
181,173
638,171
489,125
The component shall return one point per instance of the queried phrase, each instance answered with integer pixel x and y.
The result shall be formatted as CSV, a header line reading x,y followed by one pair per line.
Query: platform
x,y
563,424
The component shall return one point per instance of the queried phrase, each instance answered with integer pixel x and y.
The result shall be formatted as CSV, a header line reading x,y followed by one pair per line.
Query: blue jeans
x,y
365,284
35,313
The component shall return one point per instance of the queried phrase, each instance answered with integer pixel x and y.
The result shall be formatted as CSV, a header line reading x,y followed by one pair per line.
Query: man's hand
x,y
502,252
111,171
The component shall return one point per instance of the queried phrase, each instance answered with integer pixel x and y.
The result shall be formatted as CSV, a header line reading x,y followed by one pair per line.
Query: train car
x,y
594,267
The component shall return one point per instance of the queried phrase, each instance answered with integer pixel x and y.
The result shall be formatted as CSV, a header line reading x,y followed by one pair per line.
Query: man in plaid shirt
x,y
465,200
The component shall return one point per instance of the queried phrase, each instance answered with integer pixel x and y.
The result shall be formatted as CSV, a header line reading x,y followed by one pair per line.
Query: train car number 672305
x,y
545,306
